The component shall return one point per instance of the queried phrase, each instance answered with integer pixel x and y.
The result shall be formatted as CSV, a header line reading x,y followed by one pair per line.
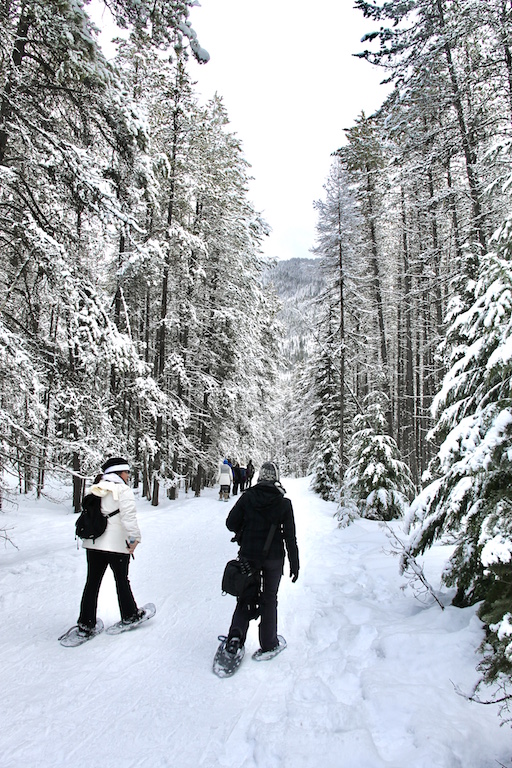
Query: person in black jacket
x,y
250,473
236,478
251,519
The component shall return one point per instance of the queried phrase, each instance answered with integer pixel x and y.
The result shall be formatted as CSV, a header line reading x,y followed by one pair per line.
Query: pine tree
x,y
469,496
377,479
339,246
456,53
363,157
163,24
201,251
326,461
63,128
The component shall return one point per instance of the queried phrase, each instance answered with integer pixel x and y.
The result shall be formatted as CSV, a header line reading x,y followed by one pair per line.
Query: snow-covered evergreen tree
x,y
325,466
207,322
167,352
64,127
469,497
339,248
163,24
377,479
326,462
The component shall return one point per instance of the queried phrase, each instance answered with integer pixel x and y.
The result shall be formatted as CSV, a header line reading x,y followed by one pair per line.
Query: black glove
x,y
294,575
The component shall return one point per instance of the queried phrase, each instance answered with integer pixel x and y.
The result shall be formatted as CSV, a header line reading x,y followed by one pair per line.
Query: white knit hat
x,y
115,465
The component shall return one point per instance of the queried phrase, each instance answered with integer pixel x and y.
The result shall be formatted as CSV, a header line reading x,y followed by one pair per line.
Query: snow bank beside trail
x,y
364,683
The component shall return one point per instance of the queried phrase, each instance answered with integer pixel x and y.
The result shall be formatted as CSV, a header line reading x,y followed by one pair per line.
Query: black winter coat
x,y
253,514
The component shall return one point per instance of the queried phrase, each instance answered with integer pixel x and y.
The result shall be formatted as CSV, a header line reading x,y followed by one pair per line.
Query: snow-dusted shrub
x,y
326,467
378,480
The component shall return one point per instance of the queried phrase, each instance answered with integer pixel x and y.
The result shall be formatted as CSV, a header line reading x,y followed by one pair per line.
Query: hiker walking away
x,y
236,478
225,478
251,519
249,473
114,547
243,478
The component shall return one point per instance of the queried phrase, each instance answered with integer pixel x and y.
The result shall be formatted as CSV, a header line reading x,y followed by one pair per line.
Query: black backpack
x,y
92,523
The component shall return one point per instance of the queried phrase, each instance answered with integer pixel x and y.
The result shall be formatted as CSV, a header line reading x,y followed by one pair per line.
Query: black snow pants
x,y
97,562
272,572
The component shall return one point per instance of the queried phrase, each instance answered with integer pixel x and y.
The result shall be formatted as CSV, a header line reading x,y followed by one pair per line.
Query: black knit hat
x,y
116,464
269,472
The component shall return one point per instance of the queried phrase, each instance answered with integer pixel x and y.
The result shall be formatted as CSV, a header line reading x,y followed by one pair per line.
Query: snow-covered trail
x,y
364,683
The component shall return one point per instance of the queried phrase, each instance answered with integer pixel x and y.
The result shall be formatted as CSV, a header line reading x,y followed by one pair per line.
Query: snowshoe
x,y
228,658
78,635
144,613
260,655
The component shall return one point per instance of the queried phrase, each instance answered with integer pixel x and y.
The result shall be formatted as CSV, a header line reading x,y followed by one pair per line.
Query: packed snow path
x,y
364,683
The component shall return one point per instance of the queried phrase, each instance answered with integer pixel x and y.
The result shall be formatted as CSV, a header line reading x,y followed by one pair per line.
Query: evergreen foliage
x,y
130,261
332,380
444,188
326,461
377,479
470,497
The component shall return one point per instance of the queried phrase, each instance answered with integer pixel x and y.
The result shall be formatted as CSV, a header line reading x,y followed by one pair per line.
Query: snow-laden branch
x,y
503,701
409,567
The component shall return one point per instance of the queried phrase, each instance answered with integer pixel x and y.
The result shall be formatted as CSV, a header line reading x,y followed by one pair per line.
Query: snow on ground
x,y
364,683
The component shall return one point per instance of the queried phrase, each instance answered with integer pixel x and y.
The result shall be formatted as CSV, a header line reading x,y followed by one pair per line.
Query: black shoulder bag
x,y
240,576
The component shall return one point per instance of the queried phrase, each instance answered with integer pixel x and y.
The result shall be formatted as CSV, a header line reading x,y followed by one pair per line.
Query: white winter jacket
x,y
225,476
115,494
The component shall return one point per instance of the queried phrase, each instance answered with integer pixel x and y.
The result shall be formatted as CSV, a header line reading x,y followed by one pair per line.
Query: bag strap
x,y
268,542
113,513
266,548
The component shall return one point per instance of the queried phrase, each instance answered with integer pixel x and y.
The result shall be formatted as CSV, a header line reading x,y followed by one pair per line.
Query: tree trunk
x,y
408,429
377,290
17,59
78,484
467,143
342,353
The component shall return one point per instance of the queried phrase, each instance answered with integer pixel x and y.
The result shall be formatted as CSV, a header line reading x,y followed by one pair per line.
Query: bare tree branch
x,y
410,567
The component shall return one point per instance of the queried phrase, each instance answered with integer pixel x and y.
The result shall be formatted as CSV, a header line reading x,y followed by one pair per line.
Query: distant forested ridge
x,y
297,283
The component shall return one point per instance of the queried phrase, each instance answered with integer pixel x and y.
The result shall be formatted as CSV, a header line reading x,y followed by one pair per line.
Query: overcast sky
x,y
290,84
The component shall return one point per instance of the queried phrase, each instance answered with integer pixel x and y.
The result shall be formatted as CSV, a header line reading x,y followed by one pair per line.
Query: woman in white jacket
x,y
114,547
225,478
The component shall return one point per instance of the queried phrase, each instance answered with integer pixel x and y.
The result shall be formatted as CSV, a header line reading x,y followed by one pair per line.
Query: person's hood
x,y
266,497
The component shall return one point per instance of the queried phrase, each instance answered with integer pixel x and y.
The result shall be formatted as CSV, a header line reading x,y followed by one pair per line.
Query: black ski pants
x,y
272,571
97,562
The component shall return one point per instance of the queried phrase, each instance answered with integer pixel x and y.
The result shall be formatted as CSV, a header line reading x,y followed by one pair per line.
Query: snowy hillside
x,y
366,680
297,283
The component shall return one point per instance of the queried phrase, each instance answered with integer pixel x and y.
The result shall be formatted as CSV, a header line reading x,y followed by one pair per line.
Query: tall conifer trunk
x,y
18,55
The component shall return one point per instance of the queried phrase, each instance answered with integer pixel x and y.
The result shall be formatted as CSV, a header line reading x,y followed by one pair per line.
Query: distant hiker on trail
x,y
249,473
243,478
113,548
261,510
236,478
225,478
